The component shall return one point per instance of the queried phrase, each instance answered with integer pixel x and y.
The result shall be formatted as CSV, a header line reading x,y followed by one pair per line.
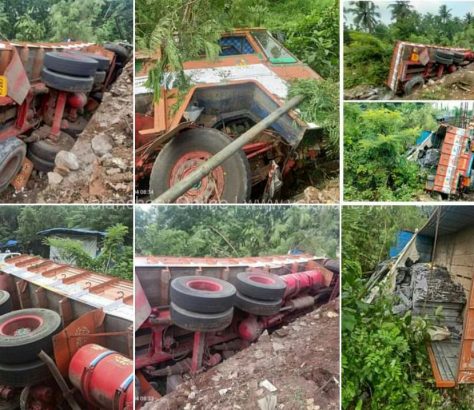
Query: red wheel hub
x,y
204,285
20,325
264,280
210,188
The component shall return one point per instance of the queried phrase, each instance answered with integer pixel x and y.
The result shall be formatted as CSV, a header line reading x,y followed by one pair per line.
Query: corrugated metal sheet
x,y
452,219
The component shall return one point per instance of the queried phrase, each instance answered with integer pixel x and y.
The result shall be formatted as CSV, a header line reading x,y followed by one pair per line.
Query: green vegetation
x,y
384,360
236,231
376,138
22,223
114,259
60,20
368,42
321,106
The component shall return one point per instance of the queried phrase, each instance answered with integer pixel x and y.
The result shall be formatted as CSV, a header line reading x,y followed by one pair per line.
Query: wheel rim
x,y
204,285
21,325
264,280
210,188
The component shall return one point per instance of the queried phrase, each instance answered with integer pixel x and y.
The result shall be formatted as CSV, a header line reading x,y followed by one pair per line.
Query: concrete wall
x,y
456,252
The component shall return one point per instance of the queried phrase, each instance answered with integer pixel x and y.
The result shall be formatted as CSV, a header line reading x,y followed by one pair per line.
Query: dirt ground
x,y
105,174
299,362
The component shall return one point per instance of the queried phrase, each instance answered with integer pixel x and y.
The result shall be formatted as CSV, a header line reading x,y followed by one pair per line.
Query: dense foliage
x,y
236,231
22,223
376,138
384,360
368,42
114,259
62,20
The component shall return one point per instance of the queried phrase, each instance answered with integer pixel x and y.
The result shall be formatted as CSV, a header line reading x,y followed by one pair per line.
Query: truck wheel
x,y
12,154
442,59
444,54
257,307
99,77
5,302
103,63
72,64
202,294
200,322
47,149
230,182
260,286
122,53
63,82
413,84
41,164
24,333
458,58
20,375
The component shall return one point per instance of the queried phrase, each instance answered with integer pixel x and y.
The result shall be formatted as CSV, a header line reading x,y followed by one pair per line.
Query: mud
x,y
301,361
106,178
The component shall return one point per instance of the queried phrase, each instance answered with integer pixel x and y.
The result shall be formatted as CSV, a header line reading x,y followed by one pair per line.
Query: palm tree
x,y
444,13
365,14
400,10
468,18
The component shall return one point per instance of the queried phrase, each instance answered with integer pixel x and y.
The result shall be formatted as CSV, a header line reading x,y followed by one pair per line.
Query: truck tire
x,y
12,154
458,57
200,322
47,149
41,164
261,286
231,180
202,294
5,302
22,374
123,55
99,77
413,84
257,307
63,82
103,63
444,60
71,64
24,333
444,54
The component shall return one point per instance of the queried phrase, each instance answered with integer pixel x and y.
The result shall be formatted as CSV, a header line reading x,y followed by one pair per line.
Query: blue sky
x,y
458,8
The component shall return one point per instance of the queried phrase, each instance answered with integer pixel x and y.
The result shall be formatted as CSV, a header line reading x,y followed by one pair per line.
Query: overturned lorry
x,y
448,156
413,64
66,337
192,313
433,277
226,98
48,92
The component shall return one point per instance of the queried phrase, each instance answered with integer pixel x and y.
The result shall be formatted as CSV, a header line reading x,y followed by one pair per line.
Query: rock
x,y
259,354
267,403
277,346
113,171
332,314
54,178
61,171
267,385
223,392
192,395
66,159
101,145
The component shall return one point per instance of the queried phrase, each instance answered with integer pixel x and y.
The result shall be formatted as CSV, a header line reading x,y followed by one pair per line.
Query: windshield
x,y
274,51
